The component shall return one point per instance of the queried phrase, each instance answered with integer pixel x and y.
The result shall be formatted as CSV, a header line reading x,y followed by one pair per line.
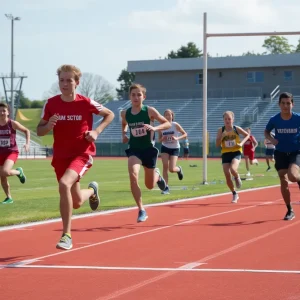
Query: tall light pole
x,y
12,18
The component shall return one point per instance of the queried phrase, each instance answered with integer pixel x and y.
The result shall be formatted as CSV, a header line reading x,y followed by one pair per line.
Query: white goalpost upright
x,y
205,37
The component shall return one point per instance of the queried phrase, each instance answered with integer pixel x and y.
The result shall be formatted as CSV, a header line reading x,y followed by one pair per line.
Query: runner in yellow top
x,y
232,148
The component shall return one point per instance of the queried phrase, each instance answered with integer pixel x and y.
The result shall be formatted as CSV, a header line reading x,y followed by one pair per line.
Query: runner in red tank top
x,y
249,151
70,115
9,150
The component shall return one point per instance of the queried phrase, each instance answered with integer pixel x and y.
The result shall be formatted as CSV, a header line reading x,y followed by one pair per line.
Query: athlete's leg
x,y
282,165
80,196
226,170
5,171
173,168
234,171
284,186
165,162
247,163
134,165
66,203
268,162
293,173
234,167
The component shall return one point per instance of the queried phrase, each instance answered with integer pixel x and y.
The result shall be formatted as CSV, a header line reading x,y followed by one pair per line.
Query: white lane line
x,y
146,232
96,214
180,269
167,274
191,265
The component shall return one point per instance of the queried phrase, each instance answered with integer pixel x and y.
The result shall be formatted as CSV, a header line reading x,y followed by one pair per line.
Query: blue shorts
x,y
170,151
270,152
186,150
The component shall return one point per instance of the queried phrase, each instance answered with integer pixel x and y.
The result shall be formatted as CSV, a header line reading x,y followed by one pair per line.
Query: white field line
x,y
95,214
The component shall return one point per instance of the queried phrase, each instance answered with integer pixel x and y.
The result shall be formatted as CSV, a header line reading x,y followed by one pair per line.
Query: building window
x,y
199,78
288,75
254,77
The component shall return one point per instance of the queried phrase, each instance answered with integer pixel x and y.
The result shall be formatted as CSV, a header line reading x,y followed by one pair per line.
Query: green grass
x,y
38,198
34,116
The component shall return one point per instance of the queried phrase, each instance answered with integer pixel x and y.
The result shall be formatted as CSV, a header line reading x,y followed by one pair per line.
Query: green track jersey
x,y
140,138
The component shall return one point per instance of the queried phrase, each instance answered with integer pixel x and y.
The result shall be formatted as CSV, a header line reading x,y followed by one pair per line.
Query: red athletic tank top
x,y
8,138
248,144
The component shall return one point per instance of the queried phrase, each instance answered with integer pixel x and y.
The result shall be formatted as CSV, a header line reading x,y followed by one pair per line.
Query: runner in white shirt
x,y
170,148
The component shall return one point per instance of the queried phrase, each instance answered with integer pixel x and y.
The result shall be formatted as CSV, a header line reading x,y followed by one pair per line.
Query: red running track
x,y
205,248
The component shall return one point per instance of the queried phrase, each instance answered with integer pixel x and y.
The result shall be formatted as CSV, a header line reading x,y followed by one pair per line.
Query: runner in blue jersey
x,y
287,142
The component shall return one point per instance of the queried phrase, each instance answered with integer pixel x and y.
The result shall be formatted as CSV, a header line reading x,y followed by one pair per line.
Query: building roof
x,y
230,62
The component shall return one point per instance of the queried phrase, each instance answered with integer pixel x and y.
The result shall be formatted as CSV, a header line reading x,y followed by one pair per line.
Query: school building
x,y
228,77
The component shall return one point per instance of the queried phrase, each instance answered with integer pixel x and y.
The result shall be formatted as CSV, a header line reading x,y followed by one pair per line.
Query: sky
x,y
101,36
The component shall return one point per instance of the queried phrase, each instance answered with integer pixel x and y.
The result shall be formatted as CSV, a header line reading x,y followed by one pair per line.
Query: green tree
x,y
277,45
23,101
37,104
126,79
298,47
252,53
190,50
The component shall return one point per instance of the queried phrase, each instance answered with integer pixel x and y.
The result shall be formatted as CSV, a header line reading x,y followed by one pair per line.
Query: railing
x,y
35,152
275,92
197,93
248,115
33,137
254,114
243,114
126,105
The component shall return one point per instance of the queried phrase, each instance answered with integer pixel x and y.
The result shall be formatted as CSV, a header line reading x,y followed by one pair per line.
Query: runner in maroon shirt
x,y
70,115
9,150
249,151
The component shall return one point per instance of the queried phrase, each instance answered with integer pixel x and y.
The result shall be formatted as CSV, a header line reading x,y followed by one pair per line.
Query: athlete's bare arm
x,y
18,126
45,126
220,136
270,137
124,127
155,115
181,130
244,133
108,116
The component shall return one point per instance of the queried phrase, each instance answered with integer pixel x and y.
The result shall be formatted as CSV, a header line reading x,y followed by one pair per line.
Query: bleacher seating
x,y
189,113
36,150
265,113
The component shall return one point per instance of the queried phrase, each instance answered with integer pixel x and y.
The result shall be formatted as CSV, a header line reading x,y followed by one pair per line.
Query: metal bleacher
x,y
189,113
36,150
265,113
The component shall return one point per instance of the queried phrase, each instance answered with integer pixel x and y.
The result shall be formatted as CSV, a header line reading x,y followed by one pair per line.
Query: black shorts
x,y
186,150
170,151
229,156
147,156
284,159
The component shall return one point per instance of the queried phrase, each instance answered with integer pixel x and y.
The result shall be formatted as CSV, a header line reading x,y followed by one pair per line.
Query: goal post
x,y
205,67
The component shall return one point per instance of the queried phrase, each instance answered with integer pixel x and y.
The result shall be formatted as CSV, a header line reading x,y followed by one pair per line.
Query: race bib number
x,y
139,131
230,144
4,142
169,139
